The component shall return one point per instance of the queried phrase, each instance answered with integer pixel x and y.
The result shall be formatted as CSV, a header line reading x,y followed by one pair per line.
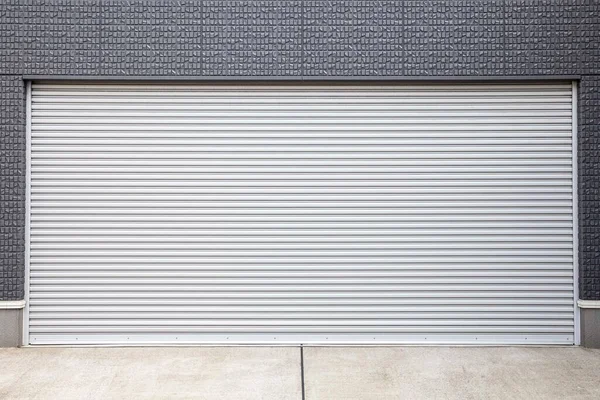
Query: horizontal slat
x,y
540,125
373,89
253,246
417,302
235,250
45,318
186,198
240,279
366,296
78,233
200,203
69,142
332,147
246,260
309,267
322,273
563,221
314,309
274,288
66,108
217,184
487,165
304,91
296,237
539,190
297,112
448,327
304,96
140,86
279,169
539,324
426,156
306,338
429,212
331,134
375,177
220,98
240,122
290,224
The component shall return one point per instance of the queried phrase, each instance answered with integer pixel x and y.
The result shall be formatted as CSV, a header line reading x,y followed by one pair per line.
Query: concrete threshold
x,y
310,373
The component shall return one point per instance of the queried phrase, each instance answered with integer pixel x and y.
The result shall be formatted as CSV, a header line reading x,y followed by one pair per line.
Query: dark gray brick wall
x,y
60,37
297,39
589,186
251,38
12,187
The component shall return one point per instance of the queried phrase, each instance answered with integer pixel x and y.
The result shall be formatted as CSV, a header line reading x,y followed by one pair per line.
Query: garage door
x,y
179,213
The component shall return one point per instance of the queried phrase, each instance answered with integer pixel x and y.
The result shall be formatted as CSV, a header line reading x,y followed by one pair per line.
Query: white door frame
x,y
575,211
575,195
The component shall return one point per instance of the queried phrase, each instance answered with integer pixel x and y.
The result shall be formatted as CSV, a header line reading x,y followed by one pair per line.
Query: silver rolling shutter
x,y
179,213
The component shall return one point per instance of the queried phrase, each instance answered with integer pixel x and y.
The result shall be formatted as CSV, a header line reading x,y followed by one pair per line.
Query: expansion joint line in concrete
x,y
302,371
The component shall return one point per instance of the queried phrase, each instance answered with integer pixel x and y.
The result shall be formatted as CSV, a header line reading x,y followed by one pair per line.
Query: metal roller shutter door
x,y
182,213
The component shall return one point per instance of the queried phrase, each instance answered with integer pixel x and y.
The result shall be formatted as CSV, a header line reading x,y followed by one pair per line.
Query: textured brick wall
x,y
295,39
12,187
589,186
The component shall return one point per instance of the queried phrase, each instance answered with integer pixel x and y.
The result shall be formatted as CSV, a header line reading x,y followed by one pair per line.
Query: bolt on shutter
x,y
184,213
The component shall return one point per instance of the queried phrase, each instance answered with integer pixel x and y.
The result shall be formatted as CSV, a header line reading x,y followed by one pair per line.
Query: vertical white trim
x,y
27,210
588,303
12,305
575,219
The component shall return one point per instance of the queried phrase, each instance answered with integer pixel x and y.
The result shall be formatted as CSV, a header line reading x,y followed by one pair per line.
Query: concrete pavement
x,y
275,373
150,373
452,373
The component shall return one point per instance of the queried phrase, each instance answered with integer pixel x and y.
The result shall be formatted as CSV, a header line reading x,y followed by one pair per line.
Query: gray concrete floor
x,y
275,373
